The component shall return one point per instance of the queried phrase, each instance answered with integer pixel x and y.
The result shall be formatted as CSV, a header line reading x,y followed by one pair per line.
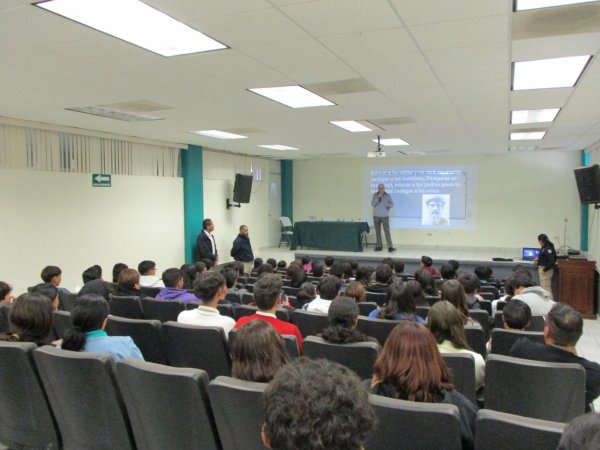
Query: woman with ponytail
x,y
89,316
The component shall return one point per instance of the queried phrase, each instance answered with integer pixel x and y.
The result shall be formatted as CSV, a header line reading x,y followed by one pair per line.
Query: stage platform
x,y
468,257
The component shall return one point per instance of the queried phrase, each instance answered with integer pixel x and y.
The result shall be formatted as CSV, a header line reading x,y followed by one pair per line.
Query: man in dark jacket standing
x,y
242,250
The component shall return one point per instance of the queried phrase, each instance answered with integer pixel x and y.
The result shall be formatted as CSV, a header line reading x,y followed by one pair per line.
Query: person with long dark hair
x,y
343,316
446,324
257,352
545,262
89,317
30,319
401,305
410,367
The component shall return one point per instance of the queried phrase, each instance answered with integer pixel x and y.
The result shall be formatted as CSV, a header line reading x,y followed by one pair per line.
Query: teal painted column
x,y
193,198
287,189
585,210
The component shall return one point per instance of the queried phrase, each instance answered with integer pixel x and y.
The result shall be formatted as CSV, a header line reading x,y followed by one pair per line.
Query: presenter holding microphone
x,y
381,203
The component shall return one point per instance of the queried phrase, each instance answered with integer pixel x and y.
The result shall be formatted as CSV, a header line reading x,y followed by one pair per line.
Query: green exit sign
x,y
101,180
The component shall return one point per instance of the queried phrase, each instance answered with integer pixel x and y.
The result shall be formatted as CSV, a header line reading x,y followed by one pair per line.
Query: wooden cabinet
x,y
576,285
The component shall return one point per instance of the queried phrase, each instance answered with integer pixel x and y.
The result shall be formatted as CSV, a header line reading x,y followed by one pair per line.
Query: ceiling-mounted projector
x,y
378,153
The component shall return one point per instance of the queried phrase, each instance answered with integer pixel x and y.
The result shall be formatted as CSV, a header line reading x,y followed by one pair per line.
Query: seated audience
x,y
117,269
30,319
52,274
317,269
189,273
98,287
329,260
363,275
454,292
296,274
129,283
317,405
50,291
281,265
264,268
92,273
273,263
471,286
427,265
207,263
582,433
257,263
231,279
427,282
328,289
174,290
564,327
306,294
355,290
447,272
6,293
343,318
485,275
201,267
454,263
148,277
401,304
538,299
383,280
516,315
89,317
446,324
306,263
338,269
211,289
267,298
410,367
257,352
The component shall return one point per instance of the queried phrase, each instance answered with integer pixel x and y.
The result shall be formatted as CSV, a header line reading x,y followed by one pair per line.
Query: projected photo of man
x,y
435,210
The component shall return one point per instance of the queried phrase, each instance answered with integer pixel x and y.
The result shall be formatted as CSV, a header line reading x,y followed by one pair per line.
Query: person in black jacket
x,y
206,247
242,249
546,261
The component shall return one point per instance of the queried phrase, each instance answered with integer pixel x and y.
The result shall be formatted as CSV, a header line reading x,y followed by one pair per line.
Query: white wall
x,y
519,196
219,171
51,218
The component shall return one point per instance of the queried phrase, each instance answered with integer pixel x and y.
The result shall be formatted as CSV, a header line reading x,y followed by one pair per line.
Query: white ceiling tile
x,y
319,72
284,54
252,28
432,11
462,33
555,46
329,17
378,43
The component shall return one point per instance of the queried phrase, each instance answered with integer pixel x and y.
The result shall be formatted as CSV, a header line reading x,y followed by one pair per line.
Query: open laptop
x,y
529,253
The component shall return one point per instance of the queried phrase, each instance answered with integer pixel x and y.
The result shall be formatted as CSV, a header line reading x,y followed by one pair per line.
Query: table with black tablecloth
x,y
340,236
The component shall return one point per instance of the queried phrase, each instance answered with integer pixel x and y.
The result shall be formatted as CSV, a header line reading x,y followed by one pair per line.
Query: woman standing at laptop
x,y
546,261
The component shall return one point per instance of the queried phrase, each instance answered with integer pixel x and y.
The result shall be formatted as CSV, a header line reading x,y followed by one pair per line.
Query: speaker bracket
x,y
230,205
597,206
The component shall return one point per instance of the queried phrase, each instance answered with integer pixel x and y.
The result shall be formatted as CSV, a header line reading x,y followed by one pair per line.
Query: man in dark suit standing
x,y
206,247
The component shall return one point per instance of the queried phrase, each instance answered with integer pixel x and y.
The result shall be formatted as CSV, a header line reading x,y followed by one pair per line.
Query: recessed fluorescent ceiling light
x,y
535,135
350,125
219,134
135,22
534,115
548,73
390,142
293,96
278,147
523,5
104,111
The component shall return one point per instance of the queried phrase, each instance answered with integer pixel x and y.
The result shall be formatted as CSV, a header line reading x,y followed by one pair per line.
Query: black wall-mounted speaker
x,y
588,184
242,188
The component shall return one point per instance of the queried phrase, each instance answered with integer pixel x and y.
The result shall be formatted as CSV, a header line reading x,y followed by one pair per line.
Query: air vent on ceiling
x,y
138,106
111,113
388,121
350,86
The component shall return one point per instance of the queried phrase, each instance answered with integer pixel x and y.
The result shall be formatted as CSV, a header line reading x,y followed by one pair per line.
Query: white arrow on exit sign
x,y
101,180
